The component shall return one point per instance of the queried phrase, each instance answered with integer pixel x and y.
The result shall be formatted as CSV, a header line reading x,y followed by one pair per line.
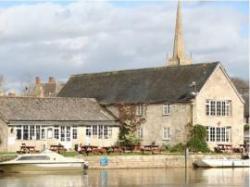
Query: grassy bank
x,y
7,156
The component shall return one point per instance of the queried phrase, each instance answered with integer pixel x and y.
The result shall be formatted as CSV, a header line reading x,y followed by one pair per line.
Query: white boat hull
x,y
43,168
222,163
44,162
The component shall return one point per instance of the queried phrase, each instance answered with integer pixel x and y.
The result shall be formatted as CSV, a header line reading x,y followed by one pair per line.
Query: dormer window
x,y
166,110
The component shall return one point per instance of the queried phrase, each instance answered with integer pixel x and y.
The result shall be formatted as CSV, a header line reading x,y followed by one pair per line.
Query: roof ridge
x,y
139,69
43,98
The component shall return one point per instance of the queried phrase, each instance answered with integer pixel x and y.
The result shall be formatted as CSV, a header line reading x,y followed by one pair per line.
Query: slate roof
x,y
149,85
52,109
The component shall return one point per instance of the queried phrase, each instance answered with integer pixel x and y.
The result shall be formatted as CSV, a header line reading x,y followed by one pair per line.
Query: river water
x,y
176,177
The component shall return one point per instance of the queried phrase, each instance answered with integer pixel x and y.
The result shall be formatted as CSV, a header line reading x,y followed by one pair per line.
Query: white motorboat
x,y
211,162
46,161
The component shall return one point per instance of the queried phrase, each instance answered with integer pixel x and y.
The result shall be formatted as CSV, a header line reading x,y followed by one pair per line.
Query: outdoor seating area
x,y
228,148
151,148
27,149
57,148
154,149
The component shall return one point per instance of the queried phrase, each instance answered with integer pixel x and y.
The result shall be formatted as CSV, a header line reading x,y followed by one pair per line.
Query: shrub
x,y
177,148
197,141
246,127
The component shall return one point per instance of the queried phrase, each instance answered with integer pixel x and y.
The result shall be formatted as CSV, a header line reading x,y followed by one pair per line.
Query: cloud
x,y
62,39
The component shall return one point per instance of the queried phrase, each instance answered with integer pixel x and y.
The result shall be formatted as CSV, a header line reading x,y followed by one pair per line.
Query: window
x,y
49,133
34,158
38,133
100,132
74,132
228,108
139,110
166,133
228,134
43,135
212,106
68,133
25,132
105,132
56,132
94,128
140,132
212,134
218,134
62,133
88,131
32,132
19,132
218,108
166,109
109,132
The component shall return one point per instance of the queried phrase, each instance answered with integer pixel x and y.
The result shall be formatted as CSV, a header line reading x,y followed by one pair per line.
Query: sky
x,y
61,38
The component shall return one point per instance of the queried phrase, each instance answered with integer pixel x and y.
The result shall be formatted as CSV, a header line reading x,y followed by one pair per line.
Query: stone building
x,y
41,122
170,98
44,89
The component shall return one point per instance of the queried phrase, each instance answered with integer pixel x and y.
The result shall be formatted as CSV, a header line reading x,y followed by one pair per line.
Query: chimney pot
x,y
51,80
38,81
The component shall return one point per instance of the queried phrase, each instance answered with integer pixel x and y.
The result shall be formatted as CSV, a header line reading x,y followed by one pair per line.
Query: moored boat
x,y
46,161
211,162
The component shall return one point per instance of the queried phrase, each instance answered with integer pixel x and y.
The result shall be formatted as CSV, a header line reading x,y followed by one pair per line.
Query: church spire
x,y
179,57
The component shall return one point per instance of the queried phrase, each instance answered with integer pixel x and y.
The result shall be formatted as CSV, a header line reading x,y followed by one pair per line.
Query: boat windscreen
x,y
42,157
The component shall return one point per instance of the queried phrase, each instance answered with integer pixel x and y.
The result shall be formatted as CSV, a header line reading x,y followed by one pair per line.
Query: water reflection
x,y
133,177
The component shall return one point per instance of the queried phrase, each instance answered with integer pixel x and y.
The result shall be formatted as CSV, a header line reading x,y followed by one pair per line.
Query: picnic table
x,y
57,148
113,149
150,148
228,148
27,149
221,148
92,149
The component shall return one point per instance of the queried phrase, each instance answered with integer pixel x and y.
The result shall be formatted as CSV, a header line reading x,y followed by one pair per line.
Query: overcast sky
x,y
61,38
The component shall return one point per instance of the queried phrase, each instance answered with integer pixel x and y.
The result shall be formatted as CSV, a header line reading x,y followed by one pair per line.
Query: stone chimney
x,y
38,80
51,80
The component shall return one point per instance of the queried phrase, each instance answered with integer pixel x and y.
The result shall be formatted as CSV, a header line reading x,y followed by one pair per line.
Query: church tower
x,y
179,57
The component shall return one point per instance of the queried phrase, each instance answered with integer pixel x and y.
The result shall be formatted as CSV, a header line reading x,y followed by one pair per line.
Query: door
x,y
66,140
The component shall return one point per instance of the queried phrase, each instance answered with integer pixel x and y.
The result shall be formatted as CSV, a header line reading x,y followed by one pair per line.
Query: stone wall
x,y
150,161
179,117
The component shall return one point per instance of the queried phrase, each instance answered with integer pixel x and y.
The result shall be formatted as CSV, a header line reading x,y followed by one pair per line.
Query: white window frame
x,y
166,109
219,134
74,132
20,129
166,133
140,110
140,133
56,133
218,107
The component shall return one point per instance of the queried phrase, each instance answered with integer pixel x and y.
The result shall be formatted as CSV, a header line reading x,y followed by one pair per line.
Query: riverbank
x,y
174,160
151,161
